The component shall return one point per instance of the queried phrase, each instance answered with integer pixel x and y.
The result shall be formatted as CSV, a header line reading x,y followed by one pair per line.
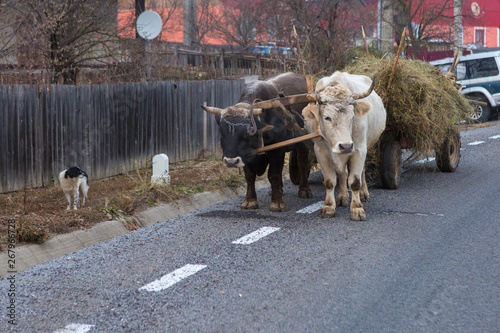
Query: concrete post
x,y
160,170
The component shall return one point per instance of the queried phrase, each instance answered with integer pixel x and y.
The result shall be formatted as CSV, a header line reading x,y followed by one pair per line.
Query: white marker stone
x,y
311,209
172,278
256,235
75,328
160,170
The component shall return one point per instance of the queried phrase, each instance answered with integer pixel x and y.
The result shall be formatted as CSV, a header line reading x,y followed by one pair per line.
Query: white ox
x,y
350,117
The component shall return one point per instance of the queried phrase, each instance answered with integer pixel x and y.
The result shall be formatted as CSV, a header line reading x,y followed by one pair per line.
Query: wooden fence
x,y
105,129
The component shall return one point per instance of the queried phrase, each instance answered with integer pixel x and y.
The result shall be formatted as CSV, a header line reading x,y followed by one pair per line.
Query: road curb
x,y
30,255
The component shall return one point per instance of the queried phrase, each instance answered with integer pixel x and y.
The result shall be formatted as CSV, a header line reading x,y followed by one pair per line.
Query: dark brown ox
x,y
243,129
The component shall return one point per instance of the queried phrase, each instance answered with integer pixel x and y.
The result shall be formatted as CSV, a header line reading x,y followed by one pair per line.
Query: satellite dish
x,y
149,25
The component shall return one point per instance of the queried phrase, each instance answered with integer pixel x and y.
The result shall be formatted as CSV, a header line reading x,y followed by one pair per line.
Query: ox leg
x,y
364,194
356,169
330,179
343,193
250,201
303,164
274,175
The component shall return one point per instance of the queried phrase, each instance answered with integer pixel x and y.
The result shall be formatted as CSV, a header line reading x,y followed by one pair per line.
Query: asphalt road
x,y
426,260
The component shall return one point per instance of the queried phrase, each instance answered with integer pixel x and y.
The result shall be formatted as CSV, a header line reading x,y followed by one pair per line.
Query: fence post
x,y
258,64
221,62
205,128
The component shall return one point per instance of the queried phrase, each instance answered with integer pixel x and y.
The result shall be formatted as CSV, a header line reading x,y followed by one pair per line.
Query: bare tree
x,y
426,21
327,30
61,35
242,22
206,21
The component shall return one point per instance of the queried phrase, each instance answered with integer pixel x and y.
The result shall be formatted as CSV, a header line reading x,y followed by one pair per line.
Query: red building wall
x,y
488,14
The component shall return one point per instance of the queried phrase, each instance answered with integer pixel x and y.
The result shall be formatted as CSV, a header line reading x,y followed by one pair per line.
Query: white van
x,y
479,76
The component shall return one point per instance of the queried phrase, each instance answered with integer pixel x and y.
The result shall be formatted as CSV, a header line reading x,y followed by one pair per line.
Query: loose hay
x,y
421,103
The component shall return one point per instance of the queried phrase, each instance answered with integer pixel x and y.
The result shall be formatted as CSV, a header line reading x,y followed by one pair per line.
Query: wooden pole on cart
x,y
454,62
401,42
364,40
299,53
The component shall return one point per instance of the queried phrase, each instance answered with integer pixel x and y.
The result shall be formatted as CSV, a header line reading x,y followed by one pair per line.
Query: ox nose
x,y
346,148
233,162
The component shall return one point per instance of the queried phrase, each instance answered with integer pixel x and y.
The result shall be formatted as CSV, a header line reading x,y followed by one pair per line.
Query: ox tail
x,y
293,167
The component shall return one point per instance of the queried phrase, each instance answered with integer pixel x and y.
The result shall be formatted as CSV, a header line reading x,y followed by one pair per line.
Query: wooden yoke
x,y
285,101
279,105
310,90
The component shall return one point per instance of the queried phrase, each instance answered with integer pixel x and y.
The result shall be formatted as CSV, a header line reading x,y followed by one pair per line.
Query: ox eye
x,y
328,118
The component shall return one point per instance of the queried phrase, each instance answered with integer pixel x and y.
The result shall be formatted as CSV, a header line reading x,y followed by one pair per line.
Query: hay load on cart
x,y
423,108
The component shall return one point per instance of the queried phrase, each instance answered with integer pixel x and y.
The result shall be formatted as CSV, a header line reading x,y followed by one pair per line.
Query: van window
x,y
460,71
481,68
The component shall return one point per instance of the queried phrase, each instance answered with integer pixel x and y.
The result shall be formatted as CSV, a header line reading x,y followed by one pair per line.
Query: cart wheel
x,y
390,165
448,155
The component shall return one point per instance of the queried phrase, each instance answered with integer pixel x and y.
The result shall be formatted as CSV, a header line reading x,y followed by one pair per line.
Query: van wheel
x,y
481,113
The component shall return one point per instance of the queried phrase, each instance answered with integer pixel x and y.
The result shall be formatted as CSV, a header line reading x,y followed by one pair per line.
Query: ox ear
x,y
362,108
266,128
311,113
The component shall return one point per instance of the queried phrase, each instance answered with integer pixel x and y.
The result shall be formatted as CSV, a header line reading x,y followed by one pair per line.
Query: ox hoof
x,y
277,207
358,214
327,212
305,194
250,204
365,197
342,200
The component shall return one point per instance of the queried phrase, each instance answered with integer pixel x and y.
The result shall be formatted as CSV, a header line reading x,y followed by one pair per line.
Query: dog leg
x,y
75,204
68,200
84,188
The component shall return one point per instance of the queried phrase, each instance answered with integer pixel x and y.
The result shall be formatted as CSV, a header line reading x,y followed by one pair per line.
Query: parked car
x,y
262,49
479,76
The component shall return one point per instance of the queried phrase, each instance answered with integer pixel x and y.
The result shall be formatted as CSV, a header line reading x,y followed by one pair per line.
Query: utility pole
x,y
457,27
189,22
385,25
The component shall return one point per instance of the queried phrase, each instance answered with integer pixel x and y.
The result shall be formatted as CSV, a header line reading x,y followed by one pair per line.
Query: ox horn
x,y
211,109
366,93
257,112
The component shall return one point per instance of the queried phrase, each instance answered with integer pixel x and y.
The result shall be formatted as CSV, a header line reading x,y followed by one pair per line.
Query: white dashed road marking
x,y
256,235
311,209
75,328
475,143
430,159
172,278
494,137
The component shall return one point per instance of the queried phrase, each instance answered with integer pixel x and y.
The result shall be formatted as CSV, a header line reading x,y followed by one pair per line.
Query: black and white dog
x,y
72,180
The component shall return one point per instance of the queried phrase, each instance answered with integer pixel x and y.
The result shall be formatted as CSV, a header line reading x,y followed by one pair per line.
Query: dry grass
x,y
41,212
421,104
